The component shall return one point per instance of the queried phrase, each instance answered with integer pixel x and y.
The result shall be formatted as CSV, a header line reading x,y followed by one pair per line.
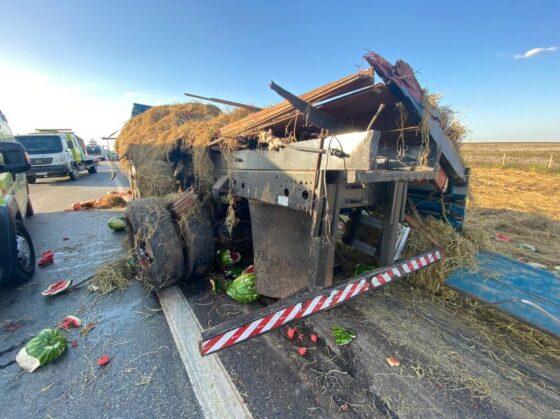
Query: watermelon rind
x,y
54,289
117,223
242,289
48,345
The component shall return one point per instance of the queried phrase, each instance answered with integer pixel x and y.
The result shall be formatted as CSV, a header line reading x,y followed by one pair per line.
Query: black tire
x,y
29,211
156,242
198,235
25,257
75,173
92,169
31,179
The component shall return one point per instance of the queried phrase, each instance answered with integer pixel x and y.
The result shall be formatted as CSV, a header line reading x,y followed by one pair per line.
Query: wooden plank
x,y
284,111
212,385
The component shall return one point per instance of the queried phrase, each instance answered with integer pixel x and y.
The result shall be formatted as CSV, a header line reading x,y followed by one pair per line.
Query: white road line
x,y
212,385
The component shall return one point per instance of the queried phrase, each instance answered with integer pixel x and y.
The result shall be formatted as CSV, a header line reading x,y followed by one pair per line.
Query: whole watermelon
x,y
117,223
242,289
48,345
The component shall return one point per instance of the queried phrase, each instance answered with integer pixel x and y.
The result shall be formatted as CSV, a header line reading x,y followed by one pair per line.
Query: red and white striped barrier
x,y
327,299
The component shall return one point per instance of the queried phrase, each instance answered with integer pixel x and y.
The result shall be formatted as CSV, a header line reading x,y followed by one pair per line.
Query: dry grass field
x,y
521,200
532,156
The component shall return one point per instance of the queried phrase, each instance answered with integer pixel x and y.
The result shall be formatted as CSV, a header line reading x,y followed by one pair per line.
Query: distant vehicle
x,y
17,254
56,153
112,155
96,151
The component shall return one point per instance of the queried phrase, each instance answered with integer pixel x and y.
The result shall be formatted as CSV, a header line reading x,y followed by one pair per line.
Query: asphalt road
x,y
145,377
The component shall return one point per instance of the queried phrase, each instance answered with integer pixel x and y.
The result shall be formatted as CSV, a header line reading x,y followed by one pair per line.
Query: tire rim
x,y
23,252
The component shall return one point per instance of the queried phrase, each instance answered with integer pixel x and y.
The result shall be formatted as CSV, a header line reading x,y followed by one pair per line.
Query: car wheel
x,y
74,174
25,255
31,179
92,169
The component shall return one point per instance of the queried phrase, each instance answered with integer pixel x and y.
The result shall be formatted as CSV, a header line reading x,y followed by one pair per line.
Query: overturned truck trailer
x,y
352,148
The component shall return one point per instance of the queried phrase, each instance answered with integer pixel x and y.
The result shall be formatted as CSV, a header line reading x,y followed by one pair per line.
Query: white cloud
x,y
33,100
533,52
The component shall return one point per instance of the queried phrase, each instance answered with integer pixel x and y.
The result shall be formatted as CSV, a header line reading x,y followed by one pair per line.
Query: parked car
x,y
17,254
56,153
112,155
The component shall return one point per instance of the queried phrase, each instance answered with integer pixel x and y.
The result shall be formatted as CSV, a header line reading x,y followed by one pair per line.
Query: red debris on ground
x,y
65,238
302,351
74,344
47,258
314,337
344,407
393,361
70,322
503,237
291,332
104,360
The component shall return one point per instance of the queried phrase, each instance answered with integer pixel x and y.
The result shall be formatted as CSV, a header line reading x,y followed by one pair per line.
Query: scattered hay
x,y
455,130
111,199
113,276
460,252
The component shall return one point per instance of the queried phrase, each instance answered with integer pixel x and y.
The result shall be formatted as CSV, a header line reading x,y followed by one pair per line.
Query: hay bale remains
x,y
148,139
113,276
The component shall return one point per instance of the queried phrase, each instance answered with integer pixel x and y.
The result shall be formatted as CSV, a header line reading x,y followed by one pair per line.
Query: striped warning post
x,y
327,298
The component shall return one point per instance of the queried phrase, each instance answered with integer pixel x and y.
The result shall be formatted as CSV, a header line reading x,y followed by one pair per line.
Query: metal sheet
x,y
529,294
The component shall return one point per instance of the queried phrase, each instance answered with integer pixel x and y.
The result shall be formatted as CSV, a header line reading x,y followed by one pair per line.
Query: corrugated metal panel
x,y
529,294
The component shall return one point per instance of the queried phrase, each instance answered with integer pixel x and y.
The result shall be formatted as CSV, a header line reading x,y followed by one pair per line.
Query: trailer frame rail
x,y
303,305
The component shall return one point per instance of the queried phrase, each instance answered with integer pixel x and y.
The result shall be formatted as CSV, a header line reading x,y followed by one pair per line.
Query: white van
x,y
56,153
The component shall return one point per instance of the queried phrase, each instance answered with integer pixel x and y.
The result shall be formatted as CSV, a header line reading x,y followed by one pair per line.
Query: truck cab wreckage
x,y
353,148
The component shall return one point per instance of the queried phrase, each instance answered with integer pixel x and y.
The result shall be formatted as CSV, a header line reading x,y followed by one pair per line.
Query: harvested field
x,y
532,156
524,205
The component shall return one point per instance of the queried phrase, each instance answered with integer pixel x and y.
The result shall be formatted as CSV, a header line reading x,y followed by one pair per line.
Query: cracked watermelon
x,y
48,345
228,257
242,289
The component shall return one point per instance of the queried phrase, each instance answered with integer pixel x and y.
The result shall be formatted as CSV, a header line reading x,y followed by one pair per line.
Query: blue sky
x,y
82,64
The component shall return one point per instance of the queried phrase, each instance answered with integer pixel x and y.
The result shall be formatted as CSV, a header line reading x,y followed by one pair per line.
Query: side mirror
x,y
13,158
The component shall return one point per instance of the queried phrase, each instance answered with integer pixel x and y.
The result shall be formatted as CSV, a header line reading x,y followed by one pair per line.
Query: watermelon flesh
x,y
48,345
47,258
70,322
228,257
57,287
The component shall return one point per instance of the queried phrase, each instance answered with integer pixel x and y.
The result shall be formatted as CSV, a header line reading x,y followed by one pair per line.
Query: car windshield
x,y
40,144
93,149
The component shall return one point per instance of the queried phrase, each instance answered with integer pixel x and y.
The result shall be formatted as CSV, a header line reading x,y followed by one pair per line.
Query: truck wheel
x,y
156,242
92,169
75,173
25,259
198,234
31,179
